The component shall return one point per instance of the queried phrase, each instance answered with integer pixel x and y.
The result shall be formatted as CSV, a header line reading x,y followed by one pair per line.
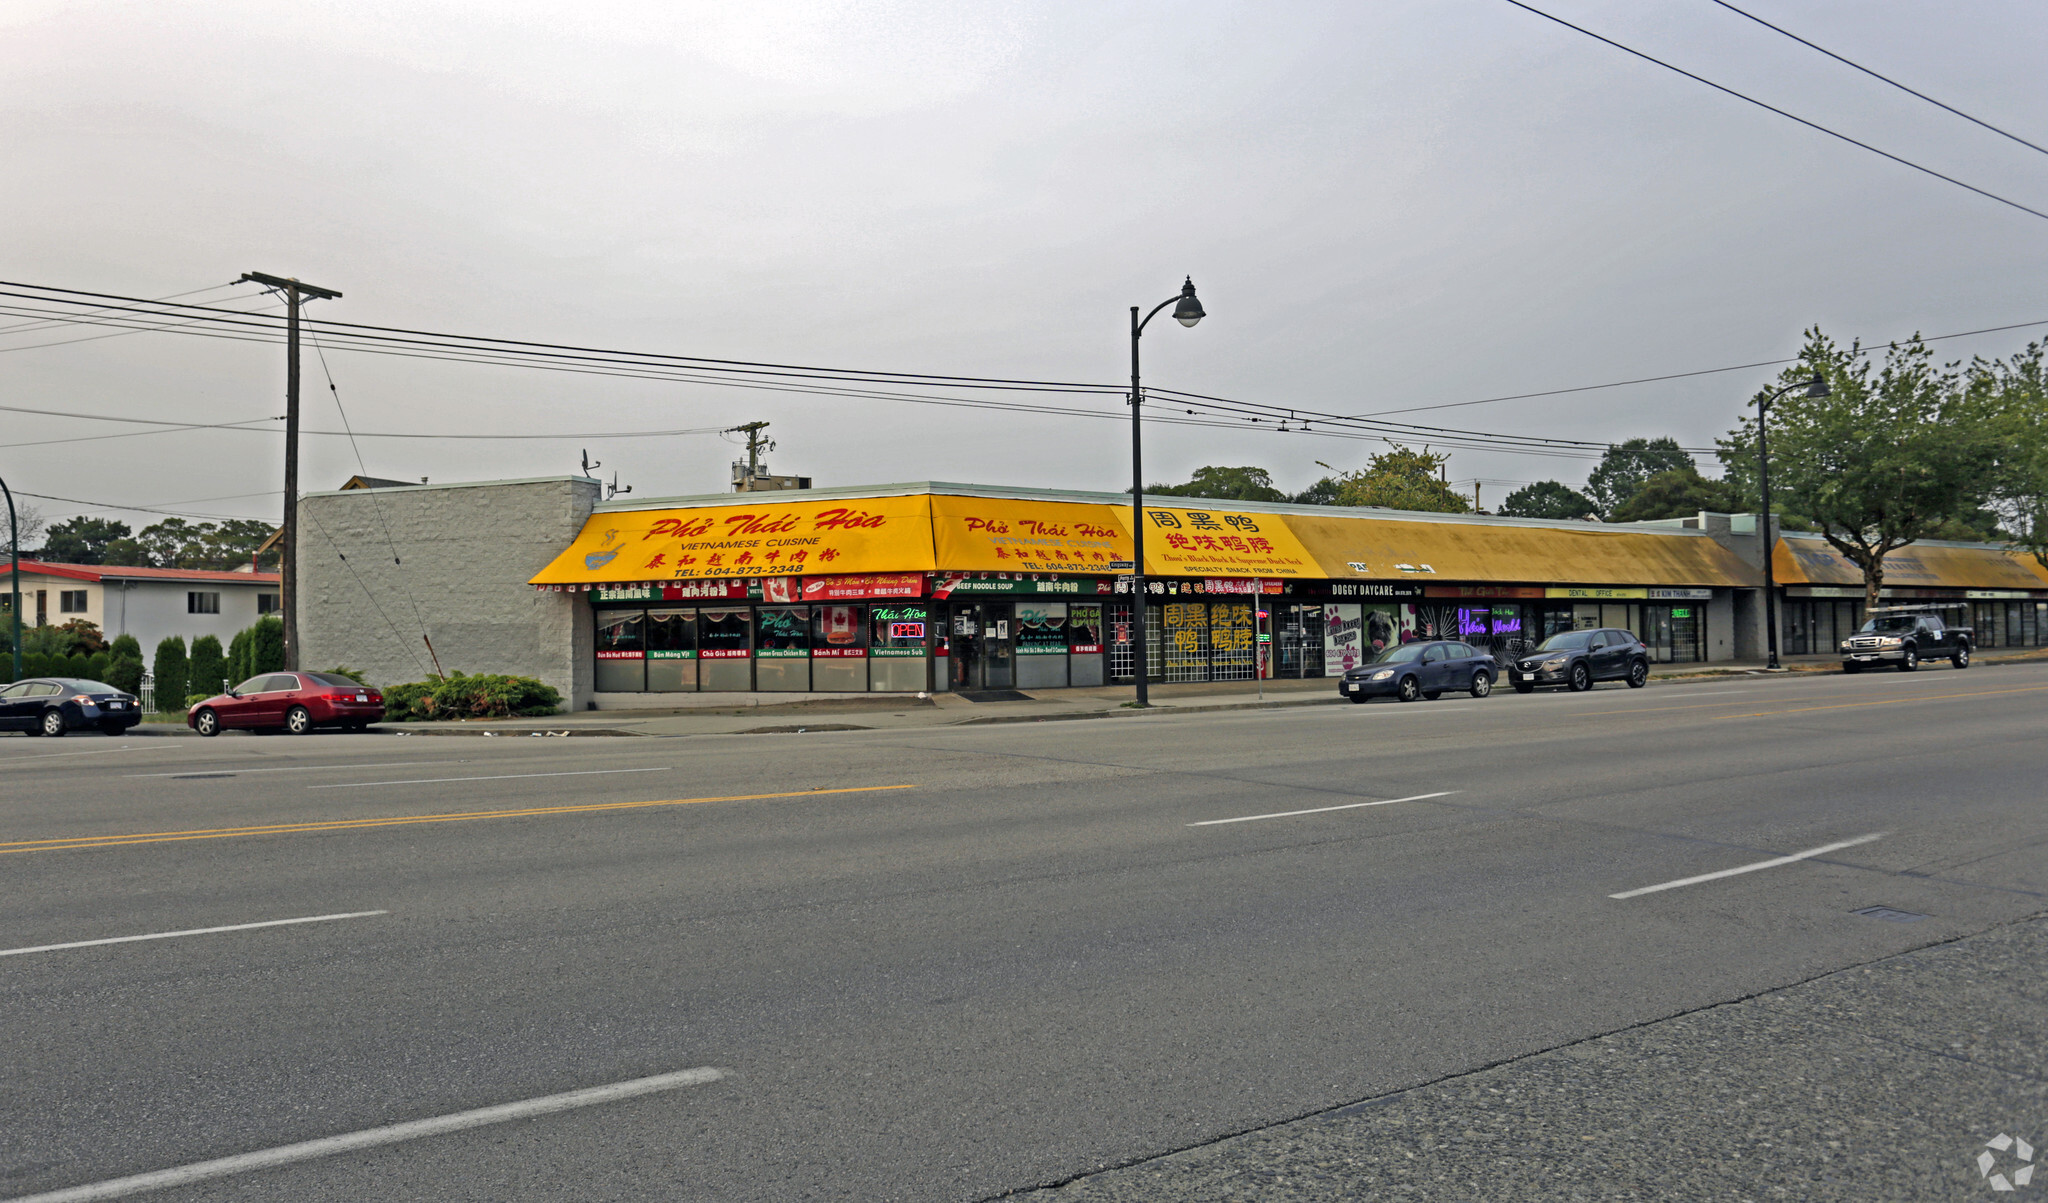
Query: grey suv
x,y
1579,659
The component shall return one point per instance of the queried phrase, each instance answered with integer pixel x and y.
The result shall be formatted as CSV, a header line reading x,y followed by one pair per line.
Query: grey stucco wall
x,y
465,553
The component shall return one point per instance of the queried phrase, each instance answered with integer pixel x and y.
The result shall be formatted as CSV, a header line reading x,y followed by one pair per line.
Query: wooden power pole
x,y
295,294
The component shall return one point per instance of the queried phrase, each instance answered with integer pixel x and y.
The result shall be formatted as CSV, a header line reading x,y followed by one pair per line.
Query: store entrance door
x,y
983,651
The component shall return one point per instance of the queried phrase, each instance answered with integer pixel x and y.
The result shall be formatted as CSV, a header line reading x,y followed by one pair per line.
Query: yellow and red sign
x,y
1215,541
767,535
1003,534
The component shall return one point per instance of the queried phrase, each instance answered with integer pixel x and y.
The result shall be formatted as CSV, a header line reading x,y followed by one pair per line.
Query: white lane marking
x,y
370,1138
1288,814
194,931
88,752
301,768
1773,863
499,777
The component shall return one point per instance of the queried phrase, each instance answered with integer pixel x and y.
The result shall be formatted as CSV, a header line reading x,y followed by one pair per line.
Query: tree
x,y
1402,478
80,540
1323,492
1679,493
208,666
1547,499
1625,467
171,667
2015,392
83,636
1889,457
28,526
1223,484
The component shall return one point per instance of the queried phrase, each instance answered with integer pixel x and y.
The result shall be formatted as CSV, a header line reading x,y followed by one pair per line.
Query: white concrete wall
x,y
464,553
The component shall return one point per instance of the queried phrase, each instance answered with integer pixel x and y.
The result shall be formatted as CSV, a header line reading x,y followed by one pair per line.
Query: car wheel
x,y
1910,661
1852,668
1524,687
298,720
1581,678
1962,657
1638,674
1410,689
53,723
207,723
1482,684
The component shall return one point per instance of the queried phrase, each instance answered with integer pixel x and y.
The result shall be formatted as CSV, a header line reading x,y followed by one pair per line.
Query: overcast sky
x,y
1384,205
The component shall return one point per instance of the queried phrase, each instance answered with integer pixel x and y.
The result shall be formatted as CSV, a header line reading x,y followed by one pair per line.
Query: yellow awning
x,y
1395,549
1918,565
767,534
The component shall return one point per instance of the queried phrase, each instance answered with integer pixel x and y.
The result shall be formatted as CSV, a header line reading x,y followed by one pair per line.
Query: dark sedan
x,y
1579,659
54,705
1421,670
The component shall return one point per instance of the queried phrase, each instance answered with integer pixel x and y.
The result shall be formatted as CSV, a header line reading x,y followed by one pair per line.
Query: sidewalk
x,y
761,714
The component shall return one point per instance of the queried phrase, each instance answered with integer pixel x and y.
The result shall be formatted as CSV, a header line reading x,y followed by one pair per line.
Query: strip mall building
x,y
908,588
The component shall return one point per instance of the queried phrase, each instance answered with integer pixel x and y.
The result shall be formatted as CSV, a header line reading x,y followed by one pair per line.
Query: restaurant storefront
x,y
944,587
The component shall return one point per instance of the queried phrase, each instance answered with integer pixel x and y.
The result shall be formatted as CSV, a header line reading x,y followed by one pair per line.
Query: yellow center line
x,y
228,833
1931,697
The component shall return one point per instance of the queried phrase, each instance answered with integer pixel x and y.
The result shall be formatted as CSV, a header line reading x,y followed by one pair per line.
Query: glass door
x,y
997,646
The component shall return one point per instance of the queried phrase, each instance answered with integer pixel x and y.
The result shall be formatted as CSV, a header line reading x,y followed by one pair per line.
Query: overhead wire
x,y
1847,62
1812,125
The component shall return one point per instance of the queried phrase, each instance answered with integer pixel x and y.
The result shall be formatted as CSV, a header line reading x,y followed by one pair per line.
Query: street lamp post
x,y
1816,387
14,561
1187,311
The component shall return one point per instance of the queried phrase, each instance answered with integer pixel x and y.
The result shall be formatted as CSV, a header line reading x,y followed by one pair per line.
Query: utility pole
x,y
757,442
14,555
295,295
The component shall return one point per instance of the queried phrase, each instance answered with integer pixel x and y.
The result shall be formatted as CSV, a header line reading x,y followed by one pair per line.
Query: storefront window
x,y
621,651
839,648
671,650
725,648
1084,643
782,648
1233,642
1041,644
1185,636
899,636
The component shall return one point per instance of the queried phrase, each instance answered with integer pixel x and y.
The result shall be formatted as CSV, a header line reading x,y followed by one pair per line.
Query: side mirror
x,y
233,694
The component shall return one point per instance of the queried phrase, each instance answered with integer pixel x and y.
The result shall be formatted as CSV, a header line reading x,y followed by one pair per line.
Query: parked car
x,y
1579,659
1903,636
294,702
55,705
1421,670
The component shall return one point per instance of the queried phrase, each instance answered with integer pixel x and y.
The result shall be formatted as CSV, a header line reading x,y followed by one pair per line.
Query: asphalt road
x,y
998,958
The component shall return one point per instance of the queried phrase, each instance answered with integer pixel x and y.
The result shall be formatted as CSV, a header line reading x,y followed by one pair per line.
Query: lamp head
x,y
1818,386
1189,311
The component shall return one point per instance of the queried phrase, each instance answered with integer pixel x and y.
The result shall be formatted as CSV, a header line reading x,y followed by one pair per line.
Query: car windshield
x,y
77,685
1565,640
1889,624
1400,653
334,679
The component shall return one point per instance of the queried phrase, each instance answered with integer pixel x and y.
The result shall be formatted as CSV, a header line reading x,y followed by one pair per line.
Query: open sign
x,y
906,630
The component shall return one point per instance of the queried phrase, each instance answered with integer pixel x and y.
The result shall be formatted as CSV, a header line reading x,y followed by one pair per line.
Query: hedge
x,y
484,695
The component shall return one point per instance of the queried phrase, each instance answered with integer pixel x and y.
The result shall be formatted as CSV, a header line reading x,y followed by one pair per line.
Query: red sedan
x,y
294,702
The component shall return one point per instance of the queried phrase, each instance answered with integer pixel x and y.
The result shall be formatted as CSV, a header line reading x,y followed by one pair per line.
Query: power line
x,y
1780,112
1884,78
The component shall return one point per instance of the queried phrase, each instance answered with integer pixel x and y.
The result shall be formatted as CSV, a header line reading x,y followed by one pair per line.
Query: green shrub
x,y
266,645
96,666
485,695
238,658
171,668
125,645
208,666
76,665
125,673
353,674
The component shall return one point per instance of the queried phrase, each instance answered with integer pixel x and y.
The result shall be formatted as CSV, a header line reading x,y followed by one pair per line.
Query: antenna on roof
x,y
588,464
